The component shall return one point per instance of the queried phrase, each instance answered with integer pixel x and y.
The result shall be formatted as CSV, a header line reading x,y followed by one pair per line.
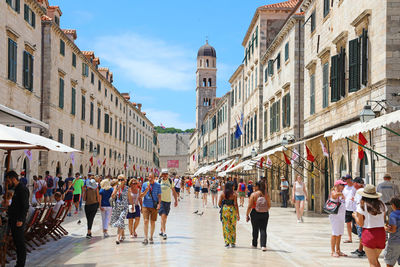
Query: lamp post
x,y
94,152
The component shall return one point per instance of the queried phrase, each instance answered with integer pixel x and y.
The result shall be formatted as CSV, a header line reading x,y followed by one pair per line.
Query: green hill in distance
x,y
159,129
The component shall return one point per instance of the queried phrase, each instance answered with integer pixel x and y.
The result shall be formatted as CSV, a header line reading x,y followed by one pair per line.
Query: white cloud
x,y
148,62
168,119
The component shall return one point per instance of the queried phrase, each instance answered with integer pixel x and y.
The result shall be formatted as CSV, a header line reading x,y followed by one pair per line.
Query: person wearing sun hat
x,y
337,220
105,206
370,215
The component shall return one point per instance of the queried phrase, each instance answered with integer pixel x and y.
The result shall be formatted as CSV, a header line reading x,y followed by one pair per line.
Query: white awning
x,y
13,117
223,165
246,165
357,127
269,152
227,170
199,170
12,138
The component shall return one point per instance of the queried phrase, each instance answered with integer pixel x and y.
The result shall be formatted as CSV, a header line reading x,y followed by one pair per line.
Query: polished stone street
x,y
195,240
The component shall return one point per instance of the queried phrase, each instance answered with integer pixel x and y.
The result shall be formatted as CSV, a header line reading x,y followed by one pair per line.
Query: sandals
x,y
348,241
335,255
341,254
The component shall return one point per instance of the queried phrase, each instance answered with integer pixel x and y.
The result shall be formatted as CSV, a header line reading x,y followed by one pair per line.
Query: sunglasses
x,y
121,180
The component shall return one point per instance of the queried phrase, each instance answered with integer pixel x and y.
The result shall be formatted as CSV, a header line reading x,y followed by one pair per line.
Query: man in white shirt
x,y
349,193
388,191
177,185
358,183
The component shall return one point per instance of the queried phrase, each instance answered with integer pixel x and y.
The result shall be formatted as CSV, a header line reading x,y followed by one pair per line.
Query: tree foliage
x,y
172,130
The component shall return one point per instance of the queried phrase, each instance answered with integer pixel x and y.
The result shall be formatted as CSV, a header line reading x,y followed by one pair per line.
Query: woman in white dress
x,y
337,220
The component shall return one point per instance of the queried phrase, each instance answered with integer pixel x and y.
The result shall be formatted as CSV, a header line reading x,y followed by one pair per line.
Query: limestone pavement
x,y
195,240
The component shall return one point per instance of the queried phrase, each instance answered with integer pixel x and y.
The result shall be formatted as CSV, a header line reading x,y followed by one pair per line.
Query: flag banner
x,y
310,156
262,162
125,165
28,154
363,141
295,155
269,162
194,157
134,167
238,132
104,162
99,162
72,156
287,159
324,149
91,161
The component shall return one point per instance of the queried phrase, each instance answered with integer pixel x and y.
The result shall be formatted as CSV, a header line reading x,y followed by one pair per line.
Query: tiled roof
x,y
46,18
282,5
88,53
103,69
69,31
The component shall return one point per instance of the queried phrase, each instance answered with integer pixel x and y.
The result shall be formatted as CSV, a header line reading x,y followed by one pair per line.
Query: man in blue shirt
x,y
151,193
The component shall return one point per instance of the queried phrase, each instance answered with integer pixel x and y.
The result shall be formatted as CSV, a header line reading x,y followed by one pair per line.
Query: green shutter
x,y
312,94
334,79
278,116
287,51
284,112
255,127
325,86
354,65
342,72
26,12
265,123
12,60
270,67
30,72
73,101
25,70
288,110
61,94
33,19
17,5
271,120
326,7
313,21
364,57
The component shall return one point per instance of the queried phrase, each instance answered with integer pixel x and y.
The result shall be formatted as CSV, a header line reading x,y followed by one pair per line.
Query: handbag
x,y
331,207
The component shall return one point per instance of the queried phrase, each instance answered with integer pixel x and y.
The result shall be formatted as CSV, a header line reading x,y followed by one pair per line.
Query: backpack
x,y
261,204
214,186
50,182
242,187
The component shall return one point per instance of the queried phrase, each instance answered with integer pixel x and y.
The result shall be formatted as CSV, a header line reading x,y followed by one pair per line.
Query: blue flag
x,y
238,132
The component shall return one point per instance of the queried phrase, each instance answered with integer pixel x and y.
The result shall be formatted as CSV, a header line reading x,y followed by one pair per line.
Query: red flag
x,y
91,161
134,167
287,159
194,158
310,156
147,169
140,168
125,165
363,141
104,162
226,167
262,162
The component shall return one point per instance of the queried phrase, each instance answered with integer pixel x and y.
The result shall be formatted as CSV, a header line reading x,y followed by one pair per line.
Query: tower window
x,y
204,82
201,63
207,63
209,82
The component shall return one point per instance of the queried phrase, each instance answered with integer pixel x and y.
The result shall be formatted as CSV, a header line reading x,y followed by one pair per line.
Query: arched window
x,y
343,167
209,82
204,82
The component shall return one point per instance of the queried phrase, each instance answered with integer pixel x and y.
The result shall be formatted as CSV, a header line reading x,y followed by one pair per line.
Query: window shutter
x,y
284,112
278,115
17,5
326,7
31,72
312,94
8,2
342,73
61,94
288,111
73,101
278,61
25,70
325,86
354,65
271,67
271,120
287,51
255,127
313,21
26,12
265,123
33,19
364,56
334,79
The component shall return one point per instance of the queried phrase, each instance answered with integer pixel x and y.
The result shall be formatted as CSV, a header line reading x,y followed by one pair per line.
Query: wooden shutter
x,y
313,21
271,67
61,94
271,119
284,112
25,70
364,57
73,101
325,86
342,72
278,115
326,7
26,12
33,19
354,65
312,94
288,110
255,127
17,5
334,79
287,51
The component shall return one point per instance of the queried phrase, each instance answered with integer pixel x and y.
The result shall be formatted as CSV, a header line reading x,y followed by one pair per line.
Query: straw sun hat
x,y
105,184
369,192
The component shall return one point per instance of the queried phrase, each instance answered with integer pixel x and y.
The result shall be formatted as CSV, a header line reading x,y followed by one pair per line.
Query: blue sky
x,y
151,47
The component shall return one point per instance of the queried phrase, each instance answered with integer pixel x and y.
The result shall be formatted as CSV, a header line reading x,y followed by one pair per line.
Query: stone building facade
x,y
76,98
174,152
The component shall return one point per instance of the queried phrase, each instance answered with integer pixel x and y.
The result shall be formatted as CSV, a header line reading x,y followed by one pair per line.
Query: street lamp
x,y
95,152
284,141
253,153
367,114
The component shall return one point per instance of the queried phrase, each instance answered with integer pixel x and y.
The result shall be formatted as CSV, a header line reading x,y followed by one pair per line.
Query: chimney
x,y
139,106
54,13
144,113
71,34
126,96
134,104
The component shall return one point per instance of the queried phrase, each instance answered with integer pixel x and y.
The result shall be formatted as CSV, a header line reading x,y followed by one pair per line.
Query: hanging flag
x,y
72,156
140,168
295,155
104,161
134,167
28,154
269,162
99,162
324,149
125,165
194,157
287,159
147,169
310,156
91,161
363,141
262,162
238,132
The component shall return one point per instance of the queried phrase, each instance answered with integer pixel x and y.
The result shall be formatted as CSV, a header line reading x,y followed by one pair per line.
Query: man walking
x,y
177,185
349,193
48,196
17,215
166,190
151,194
77,184
388,191
284,192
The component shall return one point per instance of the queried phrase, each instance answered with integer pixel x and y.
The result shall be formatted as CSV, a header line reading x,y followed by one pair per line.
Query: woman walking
x,y
120,210
214,192
92,198
337,220
370,215
299,194
135,204
258,211
105,206
242,192
205,184
229,214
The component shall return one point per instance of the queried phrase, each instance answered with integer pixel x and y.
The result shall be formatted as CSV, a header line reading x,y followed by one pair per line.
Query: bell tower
x,y
206,81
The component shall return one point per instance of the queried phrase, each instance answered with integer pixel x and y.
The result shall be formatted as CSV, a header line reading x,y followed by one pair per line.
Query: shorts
x,y
149,214
392,254
178,190
359,231
299,198
242,194
38,195
165,207
204,190
214,192
349,216
197,189
77,198
133,215
374,238
49,192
